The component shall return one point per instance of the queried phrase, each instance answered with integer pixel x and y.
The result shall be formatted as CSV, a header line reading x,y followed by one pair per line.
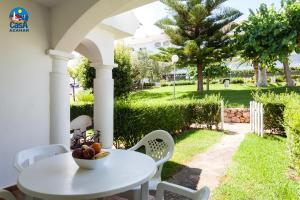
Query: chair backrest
x,y
159,145
81,123
6,195
202,194
28,156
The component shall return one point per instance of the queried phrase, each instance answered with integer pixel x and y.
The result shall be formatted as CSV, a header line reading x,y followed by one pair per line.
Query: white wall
x,y
24,85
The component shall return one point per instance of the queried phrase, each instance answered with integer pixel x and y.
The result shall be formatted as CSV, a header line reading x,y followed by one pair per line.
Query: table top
x,y
59,177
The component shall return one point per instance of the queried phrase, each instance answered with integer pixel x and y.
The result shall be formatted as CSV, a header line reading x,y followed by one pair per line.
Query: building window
x,y
157,44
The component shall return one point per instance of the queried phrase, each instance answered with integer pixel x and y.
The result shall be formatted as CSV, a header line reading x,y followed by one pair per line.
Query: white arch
x,y
90,50
69,28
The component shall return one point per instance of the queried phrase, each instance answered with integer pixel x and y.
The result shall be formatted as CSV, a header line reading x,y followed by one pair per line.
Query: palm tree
x,y
201,30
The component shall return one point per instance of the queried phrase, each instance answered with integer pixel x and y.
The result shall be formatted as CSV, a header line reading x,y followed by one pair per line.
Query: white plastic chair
x,y
28,156
81,123
202,194
6,195
159,145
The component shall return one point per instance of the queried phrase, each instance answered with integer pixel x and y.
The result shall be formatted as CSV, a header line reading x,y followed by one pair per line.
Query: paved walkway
x,y
207,168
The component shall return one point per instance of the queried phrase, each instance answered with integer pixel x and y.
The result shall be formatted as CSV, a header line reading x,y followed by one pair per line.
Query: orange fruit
x,y
97,147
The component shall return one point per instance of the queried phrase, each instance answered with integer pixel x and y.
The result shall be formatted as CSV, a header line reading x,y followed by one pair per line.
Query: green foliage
x,y
237,80
133,120
73,72
207,111
274,106
86,74
85,96
259,171
201,30
282,115
292,127
149,85
279,79
145,66
122,74
177,83
81,108
292,8
242,73
265,37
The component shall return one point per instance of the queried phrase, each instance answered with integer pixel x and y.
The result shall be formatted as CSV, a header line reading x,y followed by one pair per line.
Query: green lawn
x,y
187,145
237,95
259,171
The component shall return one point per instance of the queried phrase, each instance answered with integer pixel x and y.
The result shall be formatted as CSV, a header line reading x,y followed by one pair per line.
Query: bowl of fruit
x,y
90,157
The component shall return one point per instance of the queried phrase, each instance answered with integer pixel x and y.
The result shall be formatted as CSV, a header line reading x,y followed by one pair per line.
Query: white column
x,y
59,98
104,103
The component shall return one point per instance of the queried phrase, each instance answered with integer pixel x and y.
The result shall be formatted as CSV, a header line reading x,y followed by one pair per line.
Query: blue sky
x,y
150,13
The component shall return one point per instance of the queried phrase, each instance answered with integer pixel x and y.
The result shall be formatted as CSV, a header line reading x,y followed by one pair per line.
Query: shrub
x,y
182,82
85,96
292,127
274,106
149,85
238,80
132,120
214,81
122,74
280,79
185,82
82,108
207,111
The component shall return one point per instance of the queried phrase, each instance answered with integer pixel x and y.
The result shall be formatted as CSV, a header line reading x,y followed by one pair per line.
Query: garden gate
x,y
257,118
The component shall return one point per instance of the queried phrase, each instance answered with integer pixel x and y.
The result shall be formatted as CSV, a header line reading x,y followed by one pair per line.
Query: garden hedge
x,y
292,126
177,83
274,106
237,80
133,120
282,114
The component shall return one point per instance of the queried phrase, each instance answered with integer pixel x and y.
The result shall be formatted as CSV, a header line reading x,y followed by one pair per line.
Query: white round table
x,y
59,177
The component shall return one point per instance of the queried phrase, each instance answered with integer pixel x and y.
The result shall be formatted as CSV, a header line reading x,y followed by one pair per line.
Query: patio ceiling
x,y
48,3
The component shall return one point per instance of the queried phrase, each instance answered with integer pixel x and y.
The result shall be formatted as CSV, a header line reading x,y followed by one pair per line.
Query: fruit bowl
x,y
91,164
90,157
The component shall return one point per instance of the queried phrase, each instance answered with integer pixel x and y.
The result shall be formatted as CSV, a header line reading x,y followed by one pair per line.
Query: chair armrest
x,y
135,147
202,194
165,159
6,195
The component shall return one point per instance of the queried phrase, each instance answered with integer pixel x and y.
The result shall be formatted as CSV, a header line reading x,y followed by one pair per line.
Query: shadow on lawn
x,y
188,177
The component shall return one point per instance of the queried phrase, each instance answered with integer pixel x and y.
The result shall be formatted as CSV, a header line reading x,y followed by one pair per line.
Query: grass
x,y
237,95
187,145
259,171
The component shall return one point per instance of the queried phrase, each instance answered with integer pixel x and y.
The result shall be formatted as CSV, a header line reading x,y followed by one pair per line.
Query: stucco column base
x,y
104,103
59,99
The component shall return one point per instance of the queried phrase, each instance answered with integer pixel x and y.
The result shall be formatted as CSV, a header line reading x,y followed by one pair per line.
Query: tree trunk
x,y
255,66
262,77
200,78
287,73
207,83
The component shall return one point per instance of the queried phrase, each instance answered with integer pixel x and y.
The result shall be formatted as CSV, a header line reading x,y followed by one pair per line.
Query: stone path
x,y
208,167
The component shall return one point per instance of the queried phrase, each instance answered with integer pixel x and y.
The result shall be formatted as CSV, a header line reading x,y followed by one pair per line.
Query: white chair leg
x,y
144,191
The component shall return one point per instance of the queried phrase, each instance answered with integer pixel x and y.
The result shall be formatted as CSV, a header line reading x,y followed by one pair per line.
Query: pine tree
x,y
201,30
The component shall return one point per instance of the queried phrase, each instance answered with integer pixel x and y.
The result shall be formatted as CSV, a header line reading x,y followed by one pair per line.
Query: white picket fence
x,y
257,118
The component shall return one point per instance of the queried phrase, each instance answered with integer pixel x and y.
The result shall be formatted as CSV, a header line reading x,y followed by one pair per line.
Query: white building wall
x,y
24,85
